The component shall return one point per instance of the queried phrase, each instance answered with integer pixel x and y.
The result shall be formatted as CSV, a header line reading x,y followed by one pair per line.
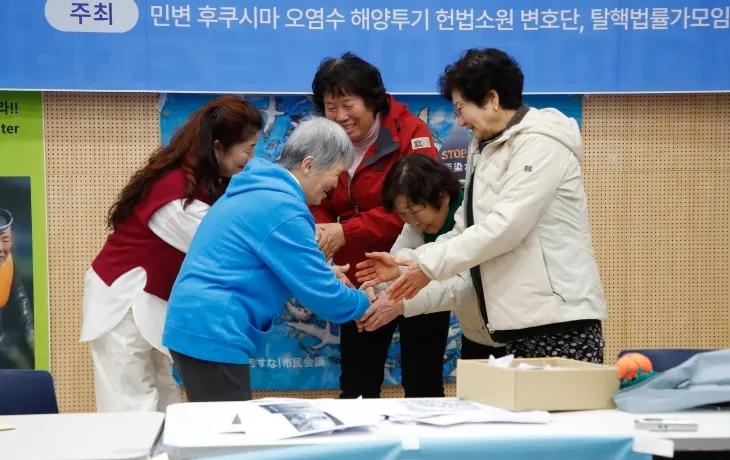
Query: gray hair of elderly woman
x,y
322,139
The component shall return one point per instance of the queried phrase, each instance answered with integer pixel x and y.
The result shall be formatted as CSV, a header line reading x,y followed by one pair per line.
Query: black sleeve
x,y
20,306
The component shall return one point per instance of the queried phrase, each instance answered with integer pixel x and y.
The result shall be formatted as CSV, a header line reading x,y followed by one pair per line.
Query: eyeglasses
x,y
457,108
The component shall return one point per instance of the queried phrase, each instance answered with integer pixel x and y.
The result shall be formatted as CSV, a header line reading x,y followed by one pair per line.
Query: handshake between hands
x,y
380,267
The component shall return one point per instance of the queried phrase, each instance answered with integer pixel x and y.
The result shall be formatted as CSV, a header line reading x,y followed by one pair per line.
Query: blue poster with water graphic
x,y
303,350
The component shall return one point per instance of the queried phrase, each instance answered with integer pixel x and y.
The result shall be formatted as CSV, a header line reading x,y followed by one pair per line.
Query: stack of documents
x,y
282,418
452,411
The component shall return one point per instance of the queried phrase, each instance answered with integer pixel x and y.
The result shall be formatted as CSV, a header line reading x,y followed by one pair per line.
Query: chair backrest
x,y
666,358
25,391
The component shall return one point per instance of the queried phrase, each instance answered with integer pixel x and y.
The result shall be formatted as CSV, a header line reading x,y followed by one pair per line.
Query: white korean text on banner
x,y
302,352
274,46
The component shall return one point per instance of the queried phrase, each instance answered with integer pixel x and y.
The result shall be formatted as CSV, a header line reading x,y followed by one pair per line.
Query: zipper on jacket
x,y
485,318
349,195
474,271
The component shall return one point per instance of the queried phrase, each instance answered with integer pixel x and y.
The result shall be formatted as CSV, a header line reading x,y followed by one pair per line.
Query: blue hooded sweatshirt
x,y
253,251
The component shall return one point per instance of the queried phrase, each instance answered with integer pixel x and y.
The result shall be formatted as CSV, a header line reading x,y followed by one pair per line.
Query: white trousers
x,y
130,375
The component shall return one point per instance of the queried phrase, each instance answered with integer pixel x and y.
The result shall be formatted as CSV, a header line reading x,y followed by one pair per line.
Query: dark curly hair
x,y
480,70
350,74
422,179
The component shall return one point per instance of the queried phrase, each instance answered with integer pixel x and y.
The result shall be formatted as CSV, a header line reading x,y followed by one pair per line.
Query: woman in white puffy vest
x,y
523,231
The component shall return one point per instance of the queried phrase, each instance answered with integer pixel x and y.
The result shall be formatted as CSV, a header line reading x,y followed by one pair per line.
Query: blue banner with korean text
x,y
303,350
274,46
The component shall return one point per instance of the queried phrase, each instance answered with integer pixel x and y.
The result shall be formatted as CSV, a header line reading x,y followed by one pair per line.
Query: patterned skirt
x,y
583,345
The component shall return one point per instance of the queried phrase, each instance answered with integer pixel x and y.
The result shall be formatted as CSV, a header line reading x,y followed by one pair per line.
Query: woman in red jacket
x,y
352,221
153,222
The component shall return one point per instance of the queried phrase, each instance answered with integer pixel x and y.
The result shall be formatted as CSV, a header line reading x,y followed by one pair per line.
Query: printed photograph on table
x,y
23,245
302,352
304,417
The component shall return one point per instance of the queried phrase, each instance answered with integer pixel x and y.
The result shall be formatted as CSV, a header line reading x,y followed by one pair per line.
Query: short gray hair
x,y
324,140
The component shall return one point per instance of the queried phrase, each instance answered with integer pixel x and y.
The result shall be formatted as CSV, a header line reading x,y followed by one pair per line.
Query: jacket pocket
x,y
557,294
517,288
258,337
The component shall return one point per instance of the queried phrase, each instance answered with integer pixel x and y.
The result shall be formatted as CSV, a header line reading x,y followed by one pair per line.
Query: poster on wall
x,y
302,352
23,261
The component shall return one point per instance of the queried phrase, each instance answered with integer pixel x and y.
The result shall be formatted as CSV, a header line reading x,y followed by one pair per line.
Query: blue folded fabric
x,y
702,380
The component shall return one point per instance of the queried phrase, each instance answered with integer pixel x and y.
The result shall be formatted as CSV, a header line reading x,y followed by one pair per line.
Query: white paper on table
x,y
5,426
535,417
273,419
452,411
426,407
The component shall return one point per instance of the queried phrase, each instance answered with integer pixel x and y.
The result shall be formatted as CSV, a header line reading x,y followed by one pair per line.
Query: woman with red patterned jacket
x,y
153,221
352,222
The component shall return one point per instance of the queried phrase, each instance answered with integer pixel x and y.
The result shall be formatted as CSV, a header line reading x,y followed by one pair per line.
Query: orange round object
x,y
632,364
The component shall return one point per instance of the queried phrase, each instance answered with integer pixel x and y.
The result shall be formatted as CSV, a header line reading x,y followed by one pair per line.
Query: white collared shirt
x,y
105,306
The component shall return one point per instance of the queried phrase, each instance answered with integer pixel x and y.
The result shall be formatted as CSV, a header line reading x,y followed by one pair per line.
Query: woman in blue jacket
x,y
255,249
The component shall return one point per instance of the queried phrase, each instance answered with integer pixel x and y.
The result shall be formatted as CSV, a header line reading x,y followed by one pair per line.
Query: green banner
x,y
23,255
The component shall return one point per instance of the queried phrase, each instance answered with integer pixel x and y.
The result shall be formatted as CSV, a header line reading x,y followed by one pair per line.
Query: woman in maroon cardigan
x,y
153,222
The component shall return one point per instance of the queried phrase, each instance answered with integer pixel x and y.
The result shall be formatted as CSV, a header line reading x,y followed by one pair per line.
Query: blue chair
x,y
27,392
666,358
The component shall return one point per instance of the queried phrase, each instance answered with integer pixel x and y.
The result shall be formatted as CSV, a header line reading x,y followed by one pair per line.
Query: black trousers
x,y
207,381
474,350
422,342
